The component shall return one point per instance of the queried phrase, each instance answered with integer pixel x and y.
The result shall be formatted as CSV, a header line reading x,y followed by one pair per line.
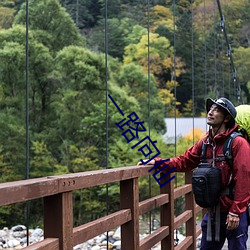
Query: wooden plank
x,y
182,190
185,244
154,238
24,190
98,177
152,203
46,244
167,212
190,205
90,230
129,196
58,219
198,208
198,231
182,218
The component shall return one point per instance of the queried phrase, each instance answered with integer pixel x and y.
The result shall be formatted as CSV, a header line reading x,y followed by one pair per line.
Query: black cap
x,y
223,103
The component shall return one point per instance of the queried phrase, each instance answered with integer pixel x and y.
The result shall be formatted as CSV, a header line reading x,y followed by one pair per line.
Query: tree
x,y
53,25
132,78
6,17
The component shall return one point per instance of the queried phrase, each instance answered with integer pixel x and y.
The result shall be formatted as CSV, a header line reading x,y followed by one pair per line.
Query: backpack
x,y
206,179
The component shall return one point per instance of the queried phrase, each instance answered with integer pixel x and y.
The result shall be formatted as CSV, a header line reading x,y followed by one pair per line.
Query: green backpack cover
x,y
243,119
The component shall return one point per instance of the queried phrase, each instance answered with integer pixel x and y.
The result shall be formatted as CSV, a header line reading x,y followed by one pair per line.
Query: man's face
x,y
215,116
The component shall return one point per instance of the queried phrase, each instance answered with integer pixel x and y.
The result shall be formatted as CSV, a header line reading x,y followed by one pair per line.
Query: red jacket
x,y
241,167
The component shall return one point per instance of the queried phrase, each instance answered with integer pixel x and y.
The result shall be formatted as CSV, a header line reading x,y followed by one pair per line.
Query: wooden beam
x,y
182,218
58,219
190,205
24,190
152,203
129,197
185,189
154,238
198,208
185,244
104,224
98,177
46,244
198,231
167,213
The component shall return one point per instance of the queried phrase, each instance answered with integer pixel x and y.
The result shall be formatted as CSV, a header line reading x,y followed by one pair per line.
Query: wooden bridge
x,y
59,233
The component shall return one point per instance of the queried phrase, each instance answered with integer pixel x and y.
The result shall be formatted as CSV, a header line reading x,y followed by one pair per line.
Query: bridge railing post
x,y
58,219
190,205
129,198
167,213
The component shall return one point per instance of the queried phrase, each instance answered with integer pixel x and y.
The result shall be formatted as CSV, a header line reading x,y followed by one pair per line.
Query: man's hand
x,y
152,162
232,222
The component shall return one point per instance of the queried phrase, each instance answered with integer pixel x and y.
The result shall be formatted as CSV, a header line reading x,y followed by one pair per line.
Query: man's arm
x,y
185,162
241,175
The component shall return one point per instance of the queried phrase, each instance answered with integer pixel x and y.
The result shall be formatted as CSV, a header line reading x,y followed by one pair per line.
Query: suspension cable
x,y
106,82
205,51
215,52
149,177
175,95
27,207
229,53
192,24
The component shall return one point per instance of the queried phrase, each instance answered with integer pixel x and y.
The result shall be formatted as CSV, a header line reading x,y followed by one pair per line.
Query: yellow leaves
x,y
160,53
166,96
6,17
195,134
161,16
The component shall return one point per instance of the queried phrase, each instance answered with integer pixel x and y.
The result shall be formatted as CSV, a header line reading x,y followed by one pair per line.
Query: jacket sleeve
x,y
185,162
241,175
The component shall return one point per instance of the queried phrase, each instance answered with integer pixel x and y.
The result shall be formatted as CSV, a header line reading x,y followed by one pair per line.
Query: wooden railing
x,y
59,233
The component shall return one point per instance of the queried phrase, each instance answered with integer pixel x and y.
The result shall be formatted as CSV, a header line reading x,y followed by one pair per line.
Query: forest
x,y
157,58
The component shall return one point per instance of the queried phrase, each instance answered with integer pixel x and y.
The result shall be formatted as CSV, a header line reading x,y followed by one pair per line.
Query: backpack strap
x,y
227,151
227,148
203,152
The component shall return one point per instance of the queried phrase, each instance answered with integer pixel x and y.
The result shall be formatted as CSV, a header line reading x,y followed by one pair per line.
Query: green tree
x,y
53,25
135,82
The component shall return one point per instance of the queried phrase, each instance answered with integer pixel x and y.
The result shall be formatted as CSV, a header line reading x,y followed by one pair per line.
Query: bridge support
x,y
167,214
130,199
58,219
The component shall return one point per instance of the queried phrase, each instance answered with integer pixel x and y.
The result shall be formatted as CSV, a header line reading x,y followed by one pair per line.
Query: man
x,y
221,115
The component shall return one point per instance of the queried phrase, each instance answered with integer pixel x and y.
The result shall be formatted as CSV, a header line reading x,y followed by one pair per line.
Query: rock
x,y
111,239
100,238
3,233
13,243
103,243
91,242
38,232
117,244
111,233
95,248
18,228
18,247
117,235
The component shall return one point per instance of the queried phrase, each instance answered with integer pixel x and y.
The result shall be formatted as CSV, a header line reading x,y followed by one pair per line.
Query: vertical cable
x,y
149,177
215,52
175,95
174,78
230,57
106,81
205,51
192,24
27,207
